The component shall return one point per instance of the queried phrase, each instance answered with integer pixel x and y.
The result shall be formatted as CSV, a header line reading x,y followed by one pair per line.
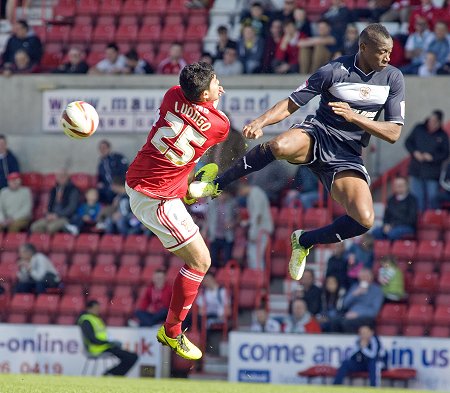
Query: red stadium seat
x,y
110,7
429,250
64,11
8,272
414,331
82,180
58,33
126,33
17,318
175,261
78,274
446,253
87,242
442,299
65,320
88,7
133,7
423,266
147,274
94,58
135,244
83,20
171,33
441,316
420,298
127,20
9,257
74,289
387,330
149,33
178,7
62,242
156,261
104,33
98,290
174,19
425,282
32,180
54,47
252,278
432,219
48,182
404,250
41,319
46,304
82,258
392,314
156,7
289,217
198,18
116,321
111,244
105,259
128,274
440,331
121,306
419,315
106,20
278,267
123,291
103,274
315,218
71,305
80,34
129,260
195,32
50,61
22,303
281,247
41,241
12,241
155,247
248,298
381,248
428,234
145,49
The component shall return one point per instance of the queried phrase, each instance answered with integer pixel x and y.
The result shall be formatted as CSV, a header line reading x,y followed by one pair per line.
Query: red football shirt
x,y
179,137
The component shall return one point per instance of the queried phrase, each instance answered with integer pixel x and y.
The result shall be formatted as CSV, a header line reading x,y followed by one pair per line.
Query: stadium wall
x,y
21,114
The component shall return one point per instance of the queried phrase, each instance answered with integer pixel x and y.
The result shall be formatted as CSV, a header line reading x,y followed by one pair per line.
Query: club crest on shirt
x,y
364,92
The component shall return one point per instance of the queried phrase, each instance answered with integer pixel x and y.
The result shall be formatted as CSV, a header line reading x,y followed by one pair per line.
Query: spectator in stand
x,y
136,66
367,355
429,147
361,306
286,54
62,205
359,255
223,42
272,42
305,191
22,65
391,280
400,215
318,50
444,181
36,272
302,22
331,301
251,50
372,10
337,265
118,218
230,64
110,165
113,63
16,205
256,18
399,11
96,342
309,292
220,224
75,64
263,323
207,58
415,46
260,224
172,64
338,17
350,43
153,305
439,44
86,216
212,301
8,162
23,38
425,10
287,12
300,319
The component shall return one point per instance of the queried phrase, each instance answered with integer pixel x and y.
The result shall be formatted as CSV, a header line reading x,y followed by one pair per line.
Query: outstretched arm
x,y
277,113
385,130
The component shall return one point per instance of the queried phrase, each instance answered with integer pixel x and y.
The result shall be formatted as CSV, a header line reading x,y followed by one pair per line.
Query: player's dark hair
x,y
439,114
195,79
30,248
112,45
91,303
132,55
2,136
222,29
374,33
24,24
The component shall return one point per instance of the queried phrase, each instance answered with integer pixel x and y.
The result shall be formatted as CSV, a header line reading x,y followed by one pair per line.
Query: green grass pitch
x,y
60,384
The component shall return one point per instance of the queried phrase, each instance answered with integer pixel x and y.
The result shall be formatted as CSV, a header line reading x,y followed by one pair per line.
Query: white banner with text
x,y
135,110
46,349
277,358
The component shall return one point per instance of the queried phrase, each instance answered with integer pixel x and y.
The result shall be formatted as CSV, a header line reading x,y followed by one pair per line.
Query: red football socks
x,y
184,291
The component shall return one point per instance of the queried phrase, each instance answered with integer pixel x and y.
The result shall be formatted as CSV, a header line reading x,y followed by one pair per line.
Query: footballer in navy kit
x,y
353,90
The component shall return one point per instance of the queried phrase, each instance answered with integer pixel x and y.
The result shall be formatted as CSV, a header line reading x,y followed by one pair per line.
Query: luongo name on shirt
x,y
189,111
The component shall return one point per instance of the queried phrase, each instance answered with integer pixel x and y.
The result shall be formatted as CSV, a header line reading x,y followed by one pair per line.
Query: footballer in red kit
x,y
189,123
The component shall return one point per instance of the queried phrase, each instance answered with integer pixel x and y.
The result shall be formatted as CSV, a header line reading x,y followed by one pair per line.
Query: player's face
x,y
214,89
376,55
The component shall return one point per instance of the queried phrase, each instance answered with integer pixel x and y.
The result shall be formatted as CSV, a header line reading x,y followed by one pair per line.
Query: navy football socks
x,y
256,159
342,228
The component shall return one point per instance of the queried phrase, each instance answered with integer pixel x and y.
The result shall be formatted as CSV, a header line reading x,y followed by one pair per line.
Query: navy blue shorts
x,y
331,155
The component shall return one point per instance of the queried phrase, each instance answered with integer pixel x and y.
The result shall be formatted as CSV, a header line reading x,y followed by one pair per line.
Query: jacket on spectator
x,y
15,204
8,164
154,300
367,304
69,200
31,44
401,212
